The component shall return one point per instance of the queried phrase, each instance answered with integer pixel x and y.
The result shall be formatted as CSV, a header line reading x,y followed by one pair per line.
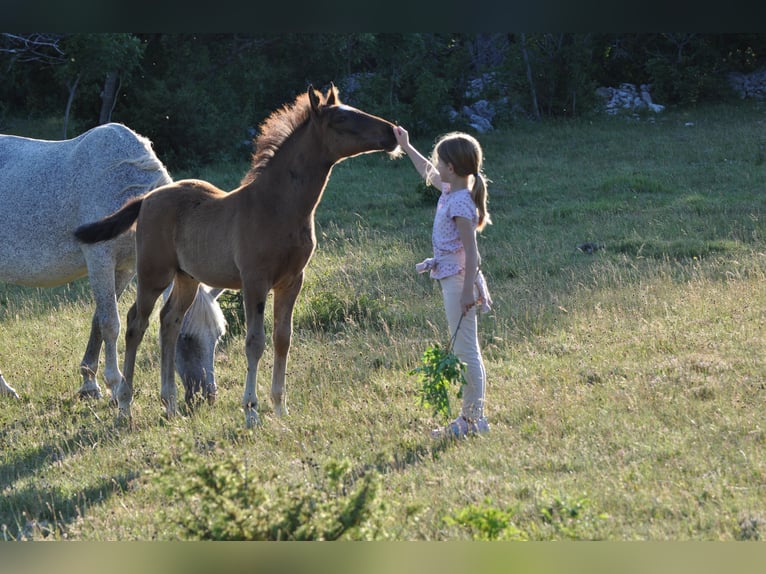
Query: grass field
x,y
626,387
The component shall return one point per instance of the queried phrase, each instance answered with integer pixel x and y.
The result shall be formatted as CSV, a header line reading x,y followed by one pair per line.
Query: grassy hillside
x,y
626,387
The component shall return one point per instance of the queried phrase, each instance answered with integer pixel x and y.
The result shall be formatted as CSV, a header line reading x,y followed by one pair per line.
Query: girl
x,y
455,168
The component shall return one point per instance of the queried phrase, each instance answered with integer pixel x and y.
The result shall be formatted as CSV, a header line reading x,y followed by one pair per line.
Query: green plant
x,y
569,516
486,522
225,500
440,369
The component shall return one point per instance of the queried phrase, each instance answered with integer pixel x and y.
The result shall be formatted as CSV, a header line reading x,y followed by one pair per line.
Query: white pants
x,y
466,346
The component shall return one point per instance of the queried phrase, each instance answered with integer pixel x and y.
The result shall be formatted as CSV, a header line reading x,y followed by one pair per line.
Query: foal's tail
x,y
112,225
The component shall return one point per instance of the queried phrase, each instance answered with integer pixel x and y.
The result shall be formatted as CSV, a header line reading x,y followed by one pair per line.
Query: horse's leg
x,y
284,301
210,389
89,364
254,297
106,321
106,281
138,321
171,318
112,373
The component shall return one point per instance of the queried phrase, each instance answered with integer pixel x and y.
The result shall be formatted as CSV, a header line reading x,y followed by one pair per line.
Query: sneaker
x,y
461,427
482,426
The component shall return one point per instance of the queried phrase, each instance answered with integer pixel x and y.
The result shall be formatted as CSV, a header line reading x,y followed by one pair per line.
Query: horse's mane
x,y
275,130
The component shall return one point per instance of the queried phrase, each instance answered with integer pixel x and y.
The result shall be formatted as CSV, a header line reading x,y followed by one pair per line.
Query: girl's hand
x,y
402,137
466,302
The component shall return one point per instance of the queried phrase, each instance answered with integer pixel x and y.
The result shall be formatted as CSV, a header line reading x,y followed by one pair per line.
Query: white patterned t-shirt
x,y
449,253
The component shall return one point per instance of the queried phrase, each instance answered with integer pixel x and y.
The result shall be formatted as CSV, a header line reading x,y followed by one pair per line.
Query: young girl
x,y
456,169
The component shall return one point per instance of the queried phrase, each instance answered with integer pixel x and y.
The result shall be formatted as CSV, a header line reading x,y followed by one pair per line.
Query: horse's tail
x,y
112,225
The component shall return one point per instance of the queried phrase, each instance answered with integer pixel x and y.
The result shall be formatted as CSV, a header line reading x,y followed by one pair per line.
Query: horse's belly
x,y
41,269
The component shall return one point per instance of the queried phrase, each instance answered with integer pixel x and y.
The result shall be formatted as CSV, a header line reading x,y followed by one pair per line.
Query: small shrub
x,y
486,522
224,500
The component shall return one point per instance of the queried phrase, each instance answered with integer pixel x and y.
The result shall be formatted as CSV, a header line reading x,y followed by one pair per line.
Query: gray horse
x,y
47,190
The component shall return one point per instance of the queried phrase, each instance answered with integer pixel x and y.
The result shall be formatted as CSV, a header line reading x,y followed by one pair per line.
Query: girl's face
x,y
446,173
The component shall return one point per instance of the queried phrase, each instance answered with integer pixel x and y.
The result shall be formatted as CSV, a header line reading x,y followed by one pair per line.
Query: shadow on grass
x,y
42,509
406,456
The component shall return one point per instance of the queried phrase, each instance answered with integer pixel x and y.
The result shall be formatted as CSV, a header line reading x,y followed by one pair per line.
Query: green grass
x,y
626,388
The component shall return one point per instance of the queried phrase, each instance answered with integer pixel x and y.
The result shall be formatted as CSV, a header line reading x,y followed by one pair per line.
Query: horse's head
x,y
347,131
202,328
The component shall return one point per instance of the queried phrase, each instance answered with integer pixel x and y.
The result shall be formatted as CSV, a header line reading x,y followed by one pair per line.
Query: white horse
x,y
47,190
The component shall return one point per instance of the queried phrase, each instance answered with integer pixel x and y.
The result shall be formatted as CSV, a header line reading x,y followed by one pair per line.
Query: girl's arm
x,y
425,168
468,238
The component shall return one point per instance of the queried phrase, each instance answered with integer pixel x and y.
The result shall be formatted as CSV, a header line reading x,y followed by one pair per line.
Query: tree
x,y
99,58
532,90
39,48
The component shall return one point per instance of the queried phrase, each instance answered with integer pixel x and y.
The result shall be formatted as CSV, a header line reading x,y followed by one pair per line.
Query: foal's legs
x,y
254,296
284,301
171,318
138,321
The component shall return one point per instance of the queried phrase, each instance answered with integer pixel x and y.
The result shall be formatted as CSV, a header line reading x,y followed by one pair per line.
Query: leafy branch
x,y
440,369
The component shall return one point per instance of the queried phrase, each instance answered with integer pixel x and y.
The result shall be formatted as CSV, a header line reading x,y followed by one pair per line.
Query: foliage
x,y
227,500
201,97
232,306
563,73
486,522
428,193
684,70
196,105
439,371
91,55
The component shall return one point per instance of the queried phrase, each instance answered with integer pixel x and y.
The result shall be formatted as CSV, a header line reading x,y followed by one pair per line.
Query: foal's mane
x,y
275,130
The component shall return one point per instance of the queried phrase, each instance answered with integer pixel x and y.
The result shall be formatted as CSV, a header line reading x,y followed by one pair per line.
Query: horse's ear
x,y
215,292
314,99
332,95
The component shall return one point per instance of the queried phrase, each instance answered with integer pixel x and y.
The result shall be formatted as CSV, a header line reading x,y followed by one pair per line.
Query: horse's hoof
x,y
280,410
210,393
251,418
123,419
171,408
89,391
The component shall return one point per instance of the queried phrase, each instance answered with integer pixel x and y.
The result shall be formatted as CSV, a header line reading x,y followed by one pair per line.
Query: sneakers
x,y
462,427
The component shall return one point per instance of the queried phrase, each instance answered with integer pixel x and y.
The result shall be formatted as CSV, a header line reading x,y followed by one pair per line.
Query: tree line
x,y
200,97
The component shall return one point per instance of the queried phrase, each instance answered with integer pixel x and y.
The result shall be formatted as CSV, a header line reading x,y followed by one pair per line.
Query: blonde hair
x,y
464,152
